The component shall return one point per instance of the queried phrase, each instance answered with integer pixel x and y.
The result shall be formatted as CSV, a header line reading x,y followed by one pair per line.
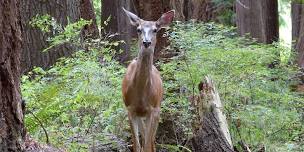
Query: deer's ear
x,y
166,19
134,19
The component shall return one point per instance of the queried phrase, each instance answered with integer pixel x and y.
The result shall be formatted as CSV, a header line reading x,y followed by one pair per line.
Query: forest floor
x,y
79,100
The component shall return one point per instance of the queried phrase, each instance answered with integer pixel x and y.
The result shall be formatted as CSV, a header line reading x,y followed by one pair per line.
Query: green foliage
x,y
79,95
60,35
224,11
44,23
284,9
296,1
75,96
97,8
260,107
71,34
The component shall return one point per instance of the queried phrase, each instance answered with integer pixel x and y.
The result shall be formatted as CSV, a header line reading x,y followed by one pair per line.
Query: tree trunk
x,y
259,18
118,24
35,41
87,12
200,10
298,31
11,117
178,6
212,135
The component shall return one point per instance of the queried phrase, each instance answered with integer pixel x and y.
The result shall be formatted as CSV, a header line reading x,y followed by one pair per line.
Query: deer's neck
x,y
144,67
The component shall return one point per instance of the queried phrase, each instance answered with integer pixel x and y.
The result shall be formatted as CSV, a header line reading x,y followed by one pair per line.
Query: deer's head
x,y
147,30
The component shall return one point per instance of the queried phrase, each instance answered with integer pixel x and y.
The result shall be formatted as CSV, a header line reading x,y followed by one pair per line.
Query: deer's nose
x,y
146,44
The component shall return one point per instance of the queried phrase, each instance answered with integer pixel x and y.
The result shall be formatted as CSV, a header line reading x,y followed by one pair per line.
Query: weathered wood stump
x,y
211,132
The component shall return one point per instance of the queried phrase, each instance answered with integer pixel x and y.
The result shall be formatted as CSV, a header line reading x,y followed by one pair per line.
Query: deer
x,y
142,88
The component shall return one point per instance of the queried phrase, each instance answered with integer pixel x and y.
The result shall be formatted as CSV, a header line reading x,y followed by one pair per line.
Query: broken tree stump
x,y
211,132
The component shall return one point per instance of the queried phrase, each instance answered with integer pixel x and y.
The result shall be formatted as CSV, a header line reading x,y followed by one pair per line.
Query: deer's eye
x,y
154,30
138,30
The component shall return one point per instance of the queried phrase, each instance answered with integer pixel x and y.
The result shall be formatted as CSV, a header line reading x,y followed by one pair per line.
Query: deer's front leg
x,y
156,115
142,128
151,124
134,122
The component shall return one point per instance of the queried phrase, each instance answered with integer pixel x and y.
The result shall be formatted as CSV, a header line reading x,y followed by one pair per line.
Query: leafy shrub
x,y
60,35
79,95
252,79
97,8
73,95
224,11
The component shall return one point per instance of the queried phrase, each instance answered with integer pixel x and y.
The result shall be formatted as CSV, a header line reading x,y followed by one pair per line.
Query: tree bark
x,y
35,41
178,6
200,10
118,24
212,134
298,31
11,117
87,12
259,18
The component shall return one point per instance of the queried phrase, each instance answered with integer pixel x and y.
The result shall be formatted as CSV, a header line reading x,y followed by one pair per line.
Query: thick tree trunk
x,y
11,117
297,10
298,31
178,6
118,24
212,135
200,10
87,12
35,41
259,18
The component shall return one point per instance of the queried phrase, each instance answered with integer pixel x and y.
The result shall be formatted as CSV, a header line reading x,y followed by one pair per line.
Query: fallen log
x,y
210,128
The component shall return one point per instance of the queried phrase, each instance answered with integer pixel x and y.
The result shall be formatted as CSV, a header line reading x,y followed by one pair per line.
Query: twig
x,y
243,5
41,124
281,128
242,143
92,121
175,147
190,74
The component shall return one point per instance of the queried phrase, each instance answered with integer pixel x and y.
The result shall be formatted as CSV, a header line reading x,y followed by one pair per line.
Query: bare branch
x,y
243,5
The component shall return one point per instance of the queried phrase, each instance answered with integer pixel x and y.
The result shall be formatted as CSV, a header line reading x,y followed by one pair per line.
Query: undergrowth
x,y
79,101
253,81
